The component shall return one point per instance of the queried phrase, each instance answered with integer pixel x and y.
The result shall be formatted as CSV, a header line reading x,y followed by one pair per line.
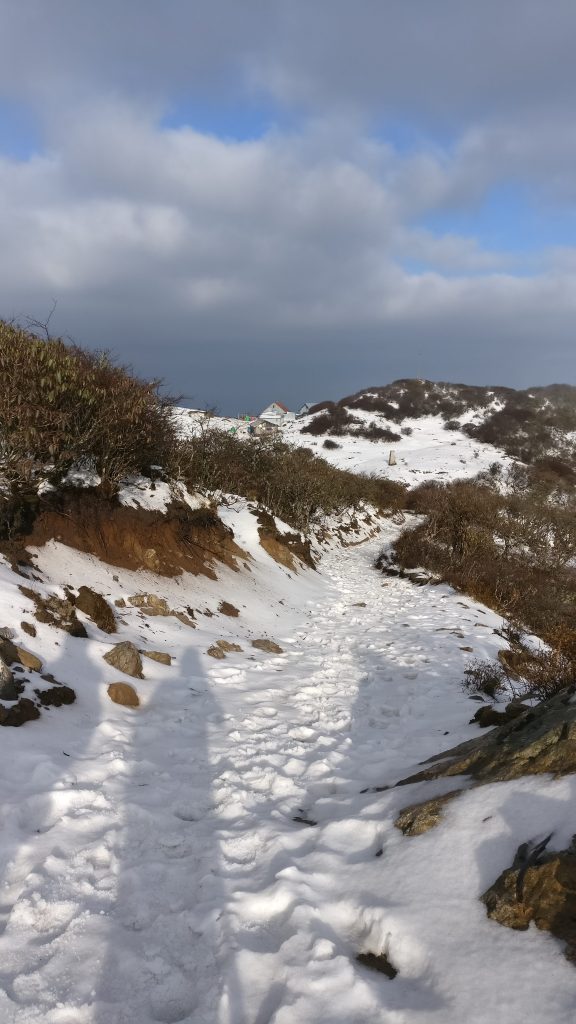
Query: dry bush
x,y
486,677
514,552
291,482
61,406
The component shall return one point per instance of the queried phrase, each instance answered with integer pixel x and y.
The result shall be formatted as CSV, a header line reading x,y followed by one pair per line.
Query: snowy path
x,y
154,870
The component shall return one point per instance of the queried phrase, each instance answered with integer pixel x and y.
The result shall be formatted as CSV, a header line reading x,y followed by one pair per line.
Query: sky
x,y
289,200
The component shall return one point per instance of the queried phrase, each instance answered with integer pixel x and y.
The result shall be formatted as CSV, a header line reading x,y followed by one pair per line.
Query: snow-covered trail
x,y
214,860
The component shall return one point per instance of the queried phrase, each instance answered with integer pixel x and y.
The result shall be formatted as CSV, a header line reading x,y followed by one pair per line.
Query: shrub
x,y
452,425
487,677
61,406
331,444
291,482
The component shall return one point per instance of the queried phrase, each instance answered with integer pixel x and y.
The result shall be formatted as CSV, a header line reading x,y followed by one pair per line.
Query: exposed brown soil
x,y
285,548
179,540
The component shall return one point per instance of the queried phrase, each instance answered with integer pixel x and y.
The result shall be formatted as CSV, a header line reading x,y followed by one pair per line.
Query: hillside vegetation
x,y
64,408
529,425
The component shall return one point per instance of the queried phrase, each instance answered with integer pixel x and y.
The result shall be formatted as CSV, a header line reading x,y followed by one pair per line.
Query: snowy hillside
x,y
428,452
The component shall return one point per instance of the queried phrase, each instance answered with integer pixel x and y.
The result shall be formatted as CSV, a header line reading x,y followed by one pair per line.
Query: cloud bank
x,y
323,250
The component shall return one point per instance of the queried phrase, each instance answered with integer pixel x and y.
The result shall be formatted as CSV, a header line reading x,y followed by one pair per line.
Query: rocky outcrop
x,y
55,611
126,658
418,818
538,887
541,739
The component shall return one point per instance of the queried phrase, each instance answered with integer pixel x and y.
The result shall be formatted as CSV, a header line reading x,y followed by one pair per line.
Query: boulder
x,y
7,633
124,694
29,628
267,645
126,658
538,887
30,661
96,608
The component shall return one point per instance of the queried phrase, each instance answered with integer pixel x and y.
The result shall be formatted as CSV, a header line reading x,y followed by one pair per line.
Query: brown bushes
x,y
61,406
291,482
514,552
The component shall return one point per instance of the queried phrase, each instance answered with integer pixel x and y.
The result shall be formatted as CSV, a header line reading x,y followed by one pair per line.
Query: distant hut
x,y
276,413
392,459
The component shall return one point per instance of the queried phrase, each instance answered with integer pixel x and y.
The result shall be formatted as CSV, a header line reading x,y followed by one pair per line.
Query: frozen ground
x,y
152,863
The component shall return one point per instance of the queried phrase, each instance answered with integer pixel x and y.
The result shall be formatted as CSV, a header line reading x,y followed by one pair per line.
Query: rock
x,y
30,661
539,888
418,818
24,711
541,739
377,962
228,609
267,645
184,619
13,654
96,608
126,658
150,604
227,646
10,689
56,611
124,694
468,650
359,604
9,652
29,628
120,602
7,633
56,696
216,652
160,656
487,715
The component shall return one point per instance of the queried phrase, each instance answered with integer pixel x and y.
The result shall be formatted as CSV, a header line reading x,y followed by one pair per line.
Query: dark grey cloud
x,y
298,264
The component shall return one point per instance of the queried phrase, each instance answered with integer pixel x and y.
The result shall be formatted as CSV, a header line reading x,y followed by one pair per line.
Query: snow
x,y
151,865
429,452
